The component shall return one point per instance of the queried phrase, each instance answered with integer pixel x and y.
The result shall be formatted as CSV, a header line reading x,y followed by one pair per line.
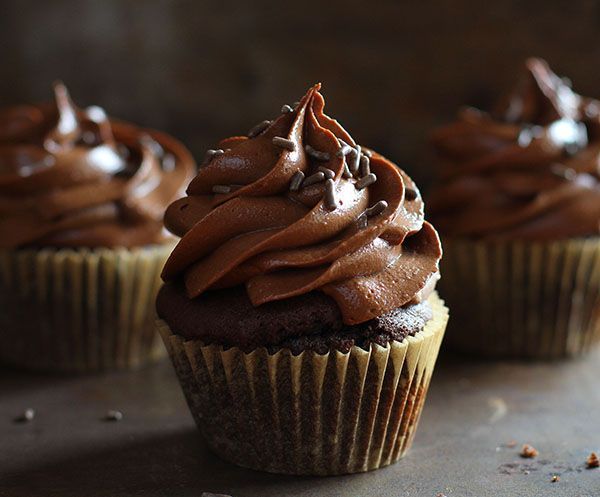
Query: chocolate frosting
x,y
528,170
73,178
280,240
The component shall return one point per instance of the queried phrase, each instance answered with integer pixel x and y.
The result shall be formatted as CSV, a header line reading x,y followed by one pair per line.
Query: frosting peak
x,y
298,206
74,178
529,170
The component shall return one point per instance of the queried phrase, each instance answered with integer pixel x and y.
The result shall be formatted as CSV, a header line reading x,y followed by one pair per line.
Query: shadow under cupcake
x,y
299,307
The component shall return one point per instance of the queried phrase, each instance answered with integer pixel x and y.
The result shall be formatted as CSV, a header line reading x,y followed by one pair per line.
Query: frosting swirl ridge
x,y
528,170
74,178
298,206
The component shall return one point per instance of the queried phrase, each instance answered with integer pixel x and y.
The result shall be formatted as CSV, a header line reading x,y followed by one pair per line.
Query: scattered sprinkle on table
x,y
113,416
26,416
555,478
528,452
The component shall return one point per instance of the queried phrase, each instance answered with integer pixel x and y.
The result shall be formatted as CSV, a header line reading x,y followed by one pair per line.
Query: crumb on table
x,y
528,452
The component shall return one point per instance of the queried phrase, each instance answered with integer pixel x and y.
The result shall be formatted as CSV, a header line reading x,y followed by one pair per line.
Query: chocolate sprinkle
x,y
211,154
563,172
287,109
368,153
113,416
259,128
280,141
355,162
347,173
376,209
362,221
26,416
313,178
221,189
365,165
329,174
344,150
366,181
316,154
330,202
297,180
410,194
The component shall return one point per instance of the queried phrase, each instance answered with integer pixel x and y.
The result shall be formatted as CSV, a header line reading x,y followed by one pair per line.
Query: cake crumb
x,y
593,461
528,452
555,478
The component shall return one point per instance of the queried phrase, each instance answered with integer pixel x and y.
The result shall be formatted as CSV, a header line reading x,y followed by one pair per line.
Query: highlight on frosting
x,y
297,206
530,169
72,177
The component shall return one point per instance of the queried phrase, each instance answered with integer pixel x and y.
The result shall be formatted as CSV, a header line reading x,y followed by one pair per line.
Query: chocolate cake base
x,y
308,322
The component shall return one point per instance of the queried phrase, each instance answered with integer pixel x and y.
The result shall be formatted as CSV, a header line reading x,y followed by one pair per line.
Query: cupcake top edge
x,y
72,177
297,206
527,170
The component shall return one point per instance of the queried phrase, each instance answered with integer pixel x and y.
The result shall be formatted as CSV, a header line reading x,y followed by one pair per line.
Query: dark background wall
x,y
207,69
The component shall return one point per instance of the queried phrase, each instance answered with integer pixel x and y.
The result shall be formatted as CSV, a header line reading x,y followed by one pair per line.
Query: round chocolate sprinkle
x,y
329,174
366,181
410,194
287,109
26,416
259,128
297,180
210,154
365,165
221,189
280,141
113,416
330,202
316,154
376,209
313,178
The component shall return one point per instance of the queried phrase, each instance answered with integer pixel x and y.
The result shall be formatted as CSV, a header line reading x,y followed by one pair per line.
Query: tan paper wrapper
x,y
522,300
309,414
80,310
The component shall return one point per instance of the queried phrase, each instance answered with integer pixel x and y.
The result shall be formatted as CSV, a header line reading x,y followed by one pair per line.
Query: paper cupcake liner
x,y
80,310
309,414
522,300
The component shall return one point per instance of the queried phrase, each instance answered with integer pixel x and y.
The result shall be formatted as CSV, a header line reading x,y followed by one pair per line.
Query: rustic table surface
x,y
474,415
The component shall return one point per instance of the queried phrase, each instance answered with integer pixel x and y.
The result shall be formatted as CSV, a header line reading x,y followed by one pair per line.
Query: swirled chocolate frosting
x,y
296,207
528,170
73,178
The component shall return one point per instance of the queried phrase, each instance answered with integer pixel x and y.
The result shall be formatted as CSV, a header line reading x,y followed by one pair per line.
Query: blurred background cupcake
x,y
299,307
81,238
518,207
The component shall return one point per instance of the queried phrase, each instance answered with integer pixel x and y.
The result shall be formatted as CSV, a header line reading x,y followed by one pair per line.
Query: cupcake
x,y
299,307
82,241
518,207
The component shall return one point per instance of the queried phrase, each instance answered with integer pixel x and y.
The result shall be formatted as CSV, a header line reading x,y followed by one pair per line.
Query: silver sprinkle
x,y
287,109
297,180
365,165
330,202
376,209
355,159
221,189
365,181
347,173
312,179
211,154
316,154
280,141
26,416
329,174
259,128
113,416
362,221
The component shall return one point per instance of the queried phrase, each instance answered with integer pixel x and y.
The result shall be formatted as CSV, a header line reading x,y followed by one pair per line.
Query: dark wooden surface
x,y
474,408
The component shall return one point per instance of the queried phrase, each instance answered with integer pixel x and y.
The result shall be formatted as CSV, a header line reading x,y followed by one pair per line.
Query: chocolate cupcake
x,y
518,206
299,307
81,236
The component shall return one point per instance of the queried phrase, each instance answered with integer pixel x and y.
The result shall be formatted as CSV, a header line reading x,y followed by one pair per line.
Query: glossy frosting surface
x,y
73,178
528,170
247,220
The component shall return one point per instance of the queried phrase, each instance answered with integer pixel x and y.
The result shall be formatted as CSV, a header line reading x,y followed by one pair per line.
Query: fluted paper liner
x,y
310,413
522,300
80,309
